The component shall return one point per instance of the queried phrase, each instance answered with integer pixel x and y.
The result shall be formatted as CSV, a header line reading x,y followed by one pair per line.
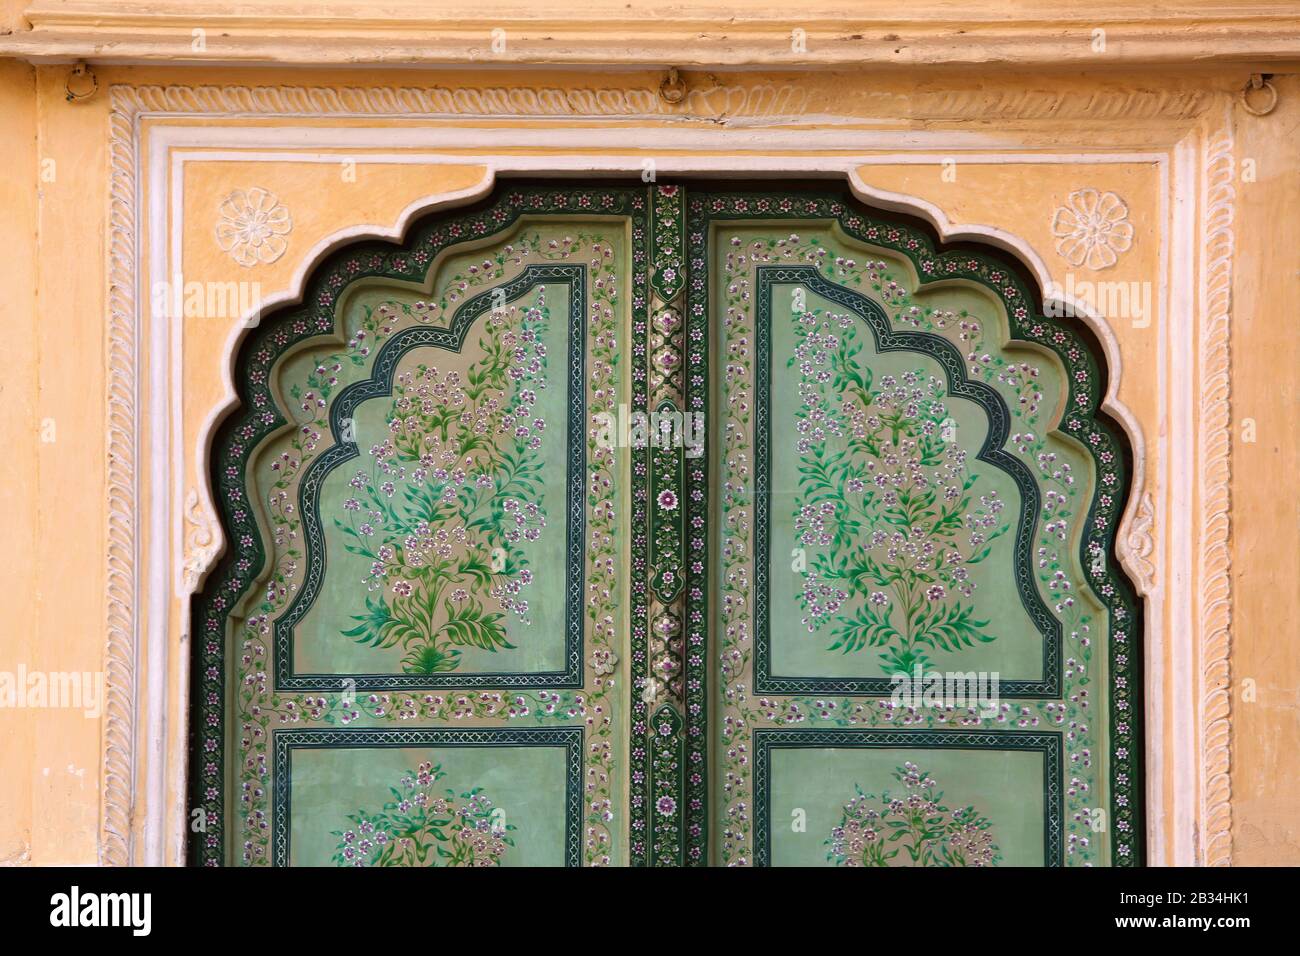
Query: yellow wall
x,y
52,584
20,466
1265,506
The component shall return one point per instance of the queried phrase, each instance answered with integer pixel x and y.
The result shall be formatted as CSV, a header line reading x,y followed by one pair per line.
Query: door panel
x,y
428,591
498,596
914,589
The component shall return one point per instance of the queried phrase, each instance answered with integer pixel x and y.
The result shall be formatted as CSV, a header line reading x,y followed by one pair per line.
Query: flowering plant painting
x,y
453,498
890,516
912,828
425,826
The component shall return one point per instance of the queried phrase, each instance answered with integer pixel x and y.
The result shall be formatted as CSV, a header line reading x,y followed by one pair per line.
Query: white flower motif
x,y
1092,228
603,661
252,226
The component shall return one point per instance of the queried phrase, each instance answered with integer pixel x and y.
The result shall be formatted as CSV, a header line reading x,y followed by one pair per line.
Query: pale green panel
x,y
815,791
321,645
521,795
1014,650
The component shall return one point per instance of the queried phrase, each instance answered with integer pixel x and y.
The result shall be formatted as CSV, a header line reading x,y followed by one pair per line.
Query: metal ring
x,y
81,70
673,87
1257,82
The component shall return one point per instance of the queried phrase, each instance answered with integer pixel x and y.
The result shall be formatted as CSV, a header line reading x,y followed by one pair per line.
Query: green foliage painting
x,y
888,511
424,825
452,499
911,828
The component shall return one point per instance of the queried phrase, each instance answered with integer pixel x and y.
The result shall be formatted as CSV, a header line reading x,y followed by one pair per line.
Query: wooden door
x,y
667,525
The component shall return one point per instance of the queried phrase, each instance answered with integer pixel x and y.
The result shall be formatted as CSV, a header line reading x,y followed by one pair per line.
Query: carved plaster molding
x,y
202,541
731,102
1218,170
1140,544
118,765
252,225
925,33
1092,229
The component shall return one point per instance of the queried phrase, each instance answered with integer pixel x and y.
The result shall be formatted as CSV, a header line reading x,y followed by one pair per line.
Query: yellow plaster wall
x,y
1265,503
989,194
19,465
51,592
54,311
314,193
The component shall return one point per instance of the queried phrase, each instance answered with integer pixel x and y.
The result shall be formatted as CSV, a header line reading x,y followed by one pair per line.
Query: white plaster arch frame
x,y
156,834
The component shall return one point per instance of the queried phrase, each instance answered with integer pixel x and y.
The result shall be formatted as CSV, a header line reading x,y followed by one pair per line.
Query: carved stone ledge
x,y
923,34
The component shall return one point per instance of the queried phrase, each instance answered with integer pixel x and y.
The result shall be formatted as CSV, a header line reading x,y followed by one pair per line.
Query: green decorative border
x,y
667,224
380,383
1071,342
666,535
258,415
960,385
286,742
1048,744
666,785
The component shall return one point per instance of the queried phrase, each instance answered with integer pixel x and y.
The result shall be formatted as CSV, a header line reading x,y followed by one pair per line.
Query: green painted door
x,y
667,525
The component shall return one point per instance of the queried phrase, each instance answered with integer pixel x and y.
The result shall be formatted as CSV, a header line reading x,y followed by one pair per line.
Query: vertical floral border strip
x,y
696,513
1083,421
664,686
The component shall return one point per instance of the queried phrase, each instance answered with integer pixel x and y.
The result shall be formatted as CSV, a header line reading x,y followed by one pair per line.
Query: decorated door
x,y
667,525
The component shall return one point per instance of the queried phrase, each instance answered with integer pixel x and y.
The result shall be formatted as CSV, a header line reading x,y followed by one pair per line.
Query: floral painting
x,y
911,827
433,544
899,488
426,824
452,499
888,510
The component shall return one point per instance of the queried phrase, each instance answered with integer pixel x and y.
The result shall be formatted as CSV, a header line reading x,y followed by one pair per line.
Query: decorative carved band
x,y
118,766
776,101
1215,445
1139,544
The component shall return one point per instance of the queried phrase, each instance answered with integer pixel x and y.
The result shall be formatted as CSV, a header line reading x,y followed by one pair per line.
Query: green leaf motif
x,y
471,625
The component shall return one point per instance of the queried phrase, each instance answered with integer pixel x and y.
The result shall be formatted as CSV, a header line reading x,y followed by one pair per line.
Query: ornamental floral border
x,y
259,416
1083,420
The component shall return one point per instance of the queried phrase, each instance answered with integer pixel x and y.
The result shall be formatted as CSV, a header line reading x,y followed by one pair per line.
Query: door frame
x,y
162,538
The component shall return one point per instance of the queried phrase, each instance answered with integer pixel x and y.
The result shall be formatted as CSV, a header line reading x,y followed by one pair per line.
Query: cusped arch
x,y
935,251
